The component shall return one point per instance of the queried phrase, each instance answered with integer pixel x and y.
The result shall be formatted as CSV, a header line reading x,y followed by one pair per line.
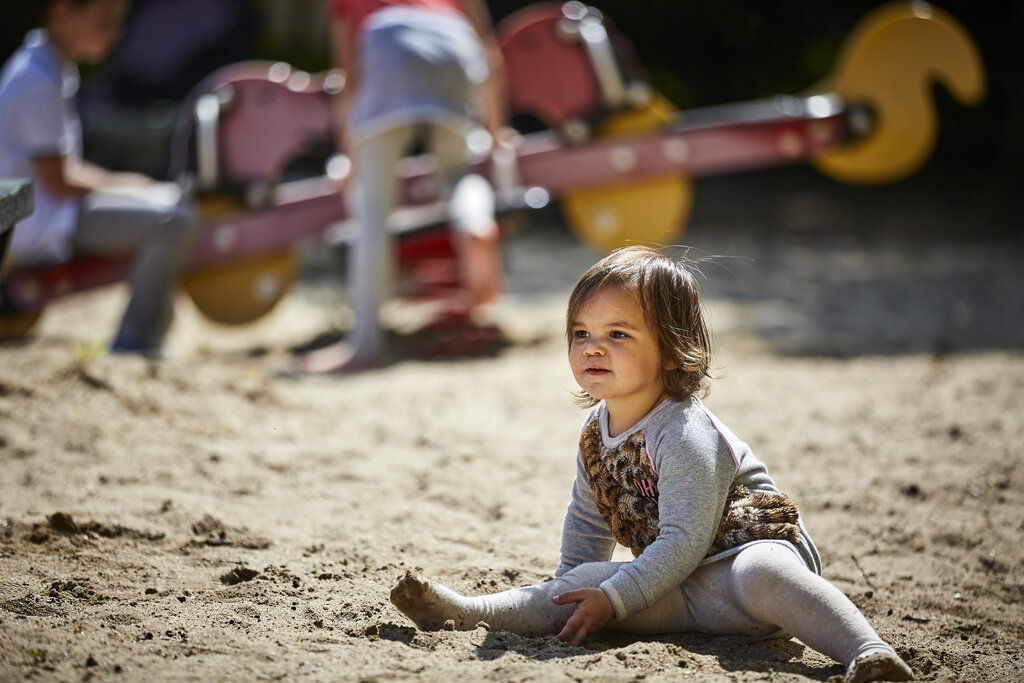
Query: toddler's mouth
x,y
596,371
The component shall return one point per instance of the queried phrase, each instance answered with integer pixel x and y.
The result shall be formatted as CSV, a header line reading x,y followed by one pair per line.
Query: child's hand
x,y
592,612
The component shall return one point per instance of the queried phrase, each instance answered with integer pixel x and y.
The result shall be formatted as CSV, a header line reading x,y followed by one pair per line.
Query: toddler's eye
x,y
619,334
580,334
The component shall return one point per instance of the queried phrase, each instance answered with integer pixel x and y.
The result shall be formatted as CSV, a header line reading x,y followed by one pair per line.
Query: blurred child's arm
x,y
51,175
493,107
343,55
585,533
98,178
62,178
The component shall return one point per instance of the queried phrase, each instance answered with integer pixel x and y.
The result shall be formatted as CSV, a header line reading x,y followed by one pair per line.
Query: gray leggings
x,y
155,225
763,590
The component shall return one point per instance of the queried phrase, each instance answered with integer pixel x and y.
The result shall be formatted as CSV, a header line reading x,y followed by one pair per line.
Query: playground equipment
x,y
16,201
617,156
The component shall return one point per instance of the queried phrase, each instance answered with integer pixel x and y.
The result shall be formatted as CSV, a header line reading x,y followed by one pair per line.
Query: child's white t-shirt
x,y
38,118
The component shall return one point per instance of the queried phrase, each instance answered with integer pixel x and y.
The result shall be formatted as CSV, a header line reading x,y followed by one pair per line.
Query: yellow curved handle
x,y
891,61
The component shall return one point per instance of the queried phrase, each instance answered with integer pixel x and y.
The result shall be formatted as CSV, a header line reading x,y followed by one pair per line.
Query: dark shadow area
x,y
131,103
734,653
928,265
810,266
444,340
393,632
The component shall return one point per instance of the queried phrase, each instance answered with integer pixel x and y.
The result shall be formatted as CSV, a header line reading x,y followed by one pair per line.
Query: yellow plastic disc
x,y
890,62
17,325
215,205
650,210
242,292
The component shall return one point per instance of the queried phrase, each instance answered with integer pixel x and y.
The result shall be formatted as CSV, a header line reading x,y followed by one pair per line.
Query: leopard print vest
x,y
625,487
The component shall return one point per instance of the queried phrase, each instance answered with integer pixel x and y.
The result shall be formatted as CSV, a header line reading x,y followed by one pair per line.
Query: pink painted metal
x,y
692,151
269,123
547,75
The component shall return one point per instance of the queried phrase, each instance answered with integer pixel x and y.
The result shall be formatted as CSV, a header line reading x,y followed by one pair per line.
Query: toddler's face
x,y
614,352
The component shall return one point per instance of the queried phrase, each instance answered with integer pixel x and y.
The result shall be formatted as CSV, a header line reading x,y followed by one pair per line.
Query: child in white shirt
x,y
79,207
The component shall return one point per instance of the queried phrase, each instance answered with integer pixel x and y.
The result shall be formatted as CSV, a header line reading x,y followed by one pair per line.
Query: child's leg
x,y
757,592
471,206
530,610
160,231
770,583
372,198
527,611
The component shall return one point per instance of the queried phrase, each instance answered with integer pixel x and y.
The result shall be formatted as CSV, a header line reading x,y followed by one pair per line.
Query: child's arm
x,y
36,116
694,476
585,533
344,56
51,173
62,178
492,106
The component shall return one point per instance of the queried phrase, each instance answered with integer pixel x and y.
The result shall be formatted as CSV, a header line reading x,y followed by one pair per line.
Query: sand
x,y
216,516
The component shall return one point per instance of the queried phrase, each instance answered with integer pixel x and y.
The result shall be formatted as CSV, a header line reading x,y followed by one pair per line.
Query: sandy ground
x,y
214,516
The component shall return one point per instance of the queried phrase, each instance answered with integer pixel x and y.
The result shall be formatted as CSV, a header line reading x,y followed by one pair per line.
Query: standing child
x,y
655,471
415,70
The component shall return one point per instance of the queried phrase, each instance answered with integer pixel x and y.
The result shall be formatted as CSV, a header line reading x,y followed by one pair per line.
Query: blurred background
x,y
696,53
930,263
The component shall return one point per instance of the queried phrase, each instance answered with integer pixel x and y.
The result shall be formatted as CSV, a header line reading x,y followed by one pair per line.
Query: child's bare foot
x,y
428,605
879,666
339,358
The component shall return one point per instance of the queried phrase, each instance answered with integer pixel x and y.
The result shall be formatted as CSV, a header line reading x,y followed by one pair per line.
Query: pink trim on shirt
x,y
648,452
735,461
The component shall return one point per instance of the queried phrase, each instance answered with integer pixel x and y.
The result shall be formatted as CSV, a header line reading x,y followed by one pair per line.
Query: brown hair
x,y
670,301
43,10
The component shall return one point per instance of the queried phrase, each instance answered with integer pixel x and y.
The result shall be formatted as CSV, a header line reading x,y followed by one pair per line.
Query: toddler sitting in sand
x,y
717,548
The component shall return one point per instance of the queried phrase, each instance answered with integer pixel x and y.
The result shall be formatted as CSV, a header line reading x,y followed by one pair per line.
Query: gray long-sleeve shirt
x,y
697,460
